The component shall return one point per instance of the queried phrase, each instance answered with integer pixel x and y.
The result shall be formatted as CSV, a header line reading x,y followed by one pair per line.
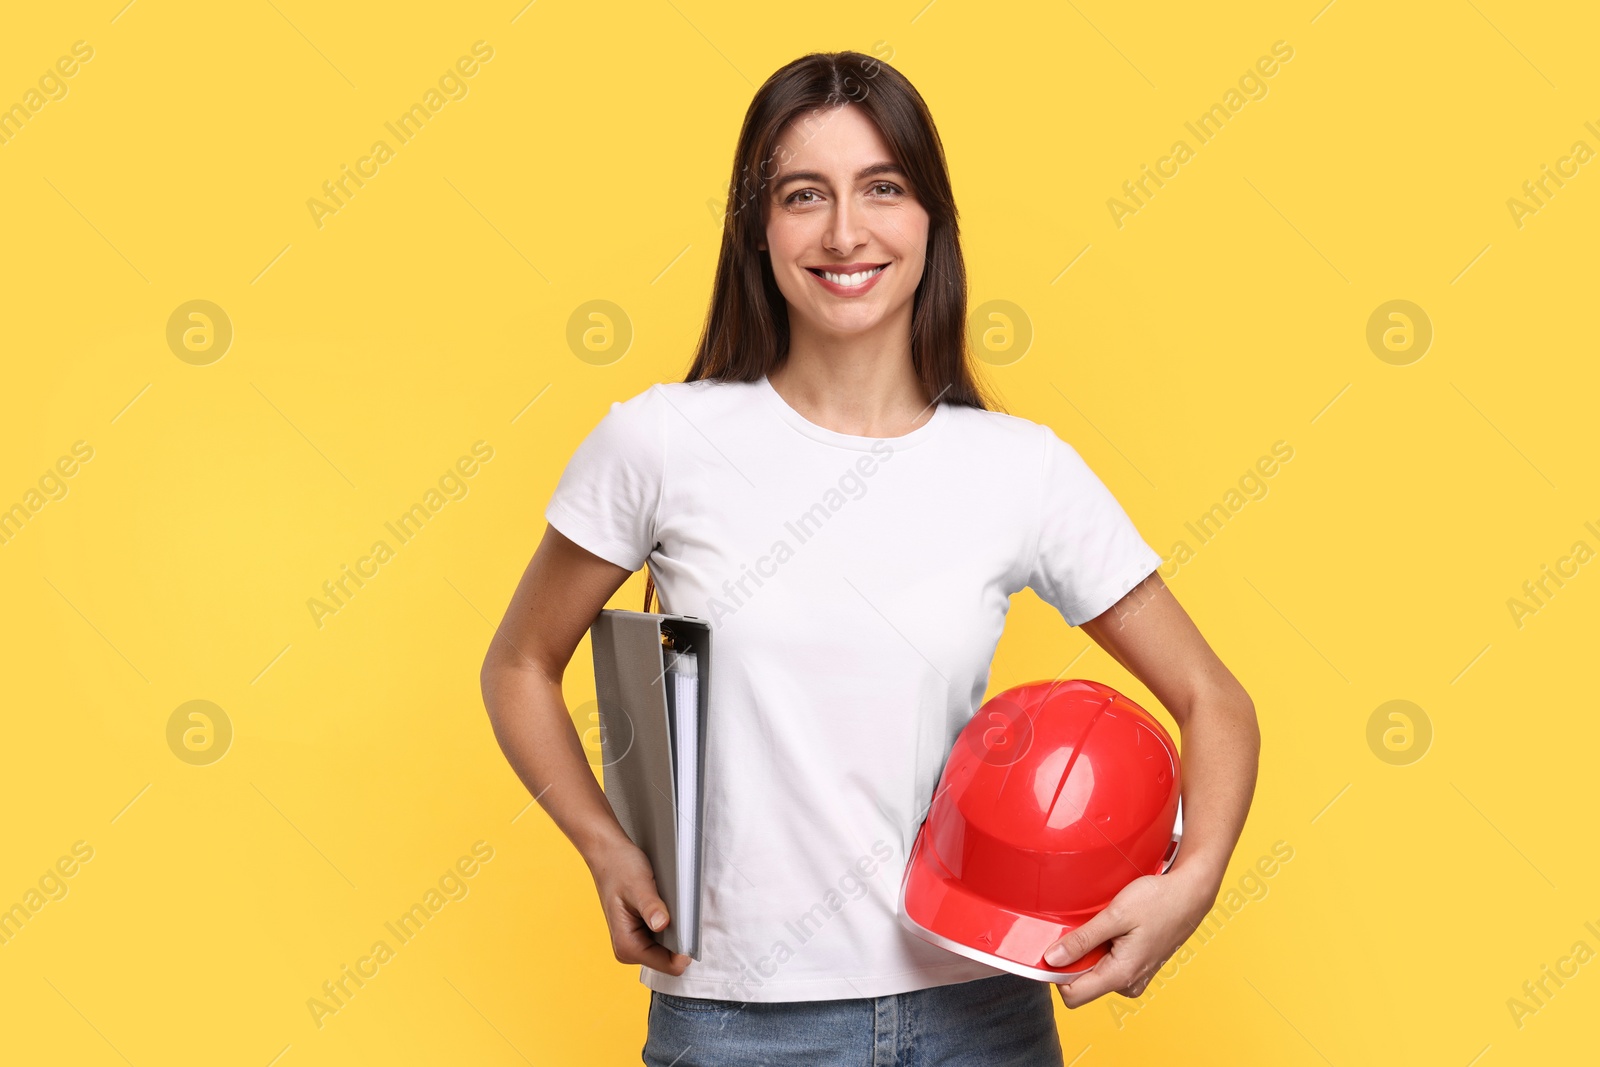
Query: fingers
x,y
643,948
1098,930
1098,981
657,958
1111,974
646,912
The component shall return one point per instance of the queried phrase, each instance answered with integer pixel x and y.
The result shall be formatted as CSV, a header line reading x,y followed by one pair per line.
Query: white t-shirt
x,y
856,589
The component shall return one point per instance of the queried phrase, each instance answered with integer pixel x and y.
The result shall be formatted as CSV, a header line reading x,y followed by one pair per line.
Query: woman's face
x,y
839,203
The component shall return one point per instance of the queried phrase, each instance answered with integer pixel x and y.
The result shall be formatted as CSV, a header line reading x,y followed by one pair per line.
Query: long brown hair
x,y
746,331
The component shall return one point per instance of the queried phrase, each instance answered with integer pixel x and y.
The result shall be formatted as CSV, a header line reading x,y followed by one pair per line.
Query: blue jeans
x,y
1004,1020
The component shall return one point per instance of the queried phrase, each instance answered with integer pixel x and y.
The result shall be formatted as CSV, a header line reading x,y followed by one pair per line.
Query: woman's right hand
x,y
628,897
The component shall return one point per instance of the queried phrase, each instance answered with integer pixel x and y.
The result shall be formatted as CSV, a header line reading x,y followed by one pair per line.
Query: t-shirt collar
x,y
930,424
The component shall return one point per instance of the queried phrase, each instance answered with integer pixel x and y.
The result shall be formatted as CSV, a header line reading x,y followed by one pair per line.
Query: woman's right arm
x,y
562,591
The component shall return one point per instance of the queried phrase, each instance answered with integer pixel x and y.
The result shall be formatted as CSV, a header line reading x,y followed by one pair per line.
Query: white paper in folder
x,y
652,674
683,691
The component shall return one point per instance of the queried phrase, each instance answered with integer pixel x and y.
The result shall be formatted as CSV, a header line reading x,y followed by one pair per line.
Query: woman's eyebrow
x,y
814,176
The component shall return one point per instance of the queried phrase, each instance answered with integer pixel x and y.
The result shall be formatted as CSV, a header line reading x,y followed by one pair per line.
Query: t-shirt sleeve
x,y
608,497
1089,552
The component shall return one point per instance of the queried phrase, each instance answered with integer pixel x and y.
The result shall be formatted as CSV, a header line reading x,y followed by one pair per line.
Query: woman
x,y
828,488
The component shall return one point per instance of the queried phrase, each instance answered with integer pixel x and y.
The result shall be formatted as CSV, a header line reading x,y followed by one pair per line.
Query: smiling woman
x,y
845,242
841,172
836,339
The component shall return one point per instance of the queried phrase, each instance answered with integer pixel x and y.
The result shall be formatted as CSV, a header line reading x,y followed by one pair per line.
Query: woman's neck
x,y
853,391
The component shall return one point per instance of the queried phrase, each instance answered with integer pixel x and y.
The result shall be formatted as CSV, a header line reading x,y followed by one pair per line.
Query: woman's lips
x,y
848,290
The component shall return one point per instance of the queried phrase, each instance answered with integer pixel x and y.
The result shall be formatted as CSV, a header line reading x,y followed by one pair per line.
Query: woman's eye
x,y
876,187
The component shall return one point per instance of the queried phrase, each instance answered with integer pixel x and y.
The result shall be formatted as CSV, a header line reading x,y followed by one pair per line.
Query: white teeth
x,y
850,280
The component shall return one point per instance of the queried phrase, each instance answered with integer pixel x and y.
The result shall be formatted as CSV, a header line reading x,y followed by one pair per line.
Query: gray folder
x,y
640,766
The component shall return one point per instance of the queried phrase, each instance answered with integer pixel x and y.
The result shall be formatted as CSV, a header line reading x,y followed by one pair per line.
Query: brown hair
x,y
746,331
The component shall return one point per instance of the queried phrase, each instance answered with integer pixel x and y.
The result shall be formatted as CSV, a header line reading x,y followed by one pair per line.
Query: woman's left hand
x,y
1145,923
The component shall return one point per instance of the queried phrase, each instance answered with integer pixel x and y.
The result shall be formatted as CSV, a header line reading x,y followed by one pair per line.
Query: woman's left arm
x,y
1150,634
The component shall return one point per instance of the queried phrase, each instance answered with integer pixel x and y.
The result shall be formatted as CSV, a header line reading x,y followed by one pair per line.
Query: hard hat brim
x,y
936,907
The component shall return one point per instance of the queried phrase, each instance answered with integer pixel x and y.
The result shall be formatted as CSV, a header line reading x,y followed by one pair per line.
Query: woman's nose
x,y
845,228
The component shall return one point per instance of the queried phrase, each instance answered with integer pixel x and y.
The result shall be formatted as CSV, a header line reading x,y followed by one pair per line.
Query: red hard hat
x,y
1056,796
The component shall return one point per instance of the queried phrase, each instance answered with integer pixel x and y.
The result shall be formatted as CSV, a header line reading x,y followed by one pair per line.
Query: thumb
x,y
653,910
1098,929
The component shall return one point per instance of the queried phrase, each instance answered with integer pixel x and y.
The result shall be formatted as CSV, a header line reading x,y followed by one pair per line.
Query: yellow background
x,y
588,161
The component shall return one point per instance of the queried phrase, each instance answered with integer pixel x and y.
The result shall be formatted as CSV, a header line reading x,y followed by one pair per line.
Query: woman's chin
x,y
844,323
